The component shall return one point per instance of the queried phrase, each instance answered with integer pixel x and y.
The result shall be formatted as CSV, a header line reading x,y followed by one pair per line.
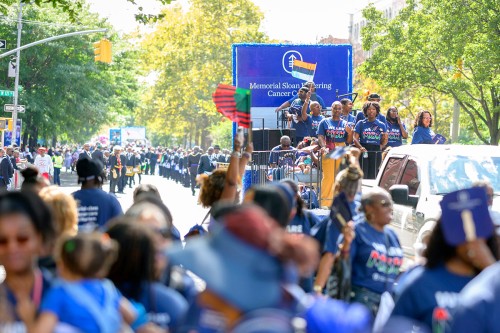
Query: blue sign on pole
x,y
267,68
7,135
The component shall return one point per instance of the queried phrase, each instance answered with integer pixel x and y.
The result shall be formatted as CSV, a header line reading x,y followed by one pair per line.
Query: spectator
x,y
95,207
282,158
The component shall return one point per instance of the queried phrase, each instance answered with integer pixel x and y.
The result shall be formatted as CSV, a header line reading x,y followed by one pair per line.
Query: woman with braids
x,y
395,128
449,267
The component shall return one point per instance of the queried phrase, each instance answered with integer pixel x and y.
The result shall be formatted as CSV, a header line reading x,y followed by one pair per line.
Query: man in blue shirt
x,y
298,114
314,97
95,207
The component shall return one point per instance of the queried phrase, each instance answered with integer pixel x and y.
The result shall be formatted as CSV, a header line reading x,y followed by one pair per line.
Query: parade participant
x,y
374,97
81,300
97,154
422,132
282,159
57,159
298,112
138,168
130,163
370,135
314,97
134,275
152,159
192,163
86,152
452,261
316,118
348,182
44,164
365,243
116,162
206,165
346,112
395,128
243,245
332,132
67,160
95,207
25,225
478,304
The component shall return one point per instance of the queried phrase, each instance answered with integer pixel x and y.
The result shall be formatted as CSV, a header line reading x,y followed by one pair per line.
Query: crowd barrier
x,y
269,166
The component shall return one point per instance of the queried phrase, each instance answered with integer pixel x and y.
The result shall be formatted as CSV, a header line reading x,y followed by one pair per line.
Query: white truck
x,y
417,176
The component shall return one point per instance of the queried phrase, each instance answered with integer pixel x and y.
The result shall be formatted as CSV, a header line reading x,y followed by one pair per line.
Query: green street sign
x,y
6,93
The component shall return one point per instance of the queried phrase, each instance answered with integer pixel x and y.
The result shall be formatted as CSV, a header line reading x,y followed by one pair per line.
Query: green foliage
x,y
190,52
67,94
421,48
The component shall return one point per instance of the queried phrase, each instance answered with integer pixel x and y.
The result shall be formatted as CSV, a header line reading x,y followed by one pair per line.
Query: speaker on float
x,y
267,139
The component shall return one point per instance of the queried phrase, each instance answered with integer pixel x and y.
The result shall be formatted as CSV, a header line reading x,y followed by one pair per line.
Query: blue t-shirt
x,y
395,136
302,224
351,120
370,132
479,304
426,290
315,120
75,311
375,258
164,306
282,157
15,324
95,208
333,131
422,135
333,232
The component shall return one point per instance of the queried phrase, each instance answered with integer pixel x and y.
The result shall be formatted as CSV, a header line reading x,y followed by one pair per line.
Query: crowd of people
x,y
259,262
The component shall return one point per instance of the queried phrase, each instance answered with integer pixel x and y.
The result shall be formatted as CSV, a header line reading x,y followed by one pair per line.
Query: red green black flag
x,y
234,103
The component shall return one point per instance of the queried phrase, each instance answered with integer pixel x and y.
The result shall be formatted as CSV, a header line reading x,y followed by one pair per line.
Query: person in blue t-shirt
x,y
447,270
332,132
95,207
479,303
81,299
422,132
346,112
373,249
374,97
395,128
314,97
298,112
316,118
370,135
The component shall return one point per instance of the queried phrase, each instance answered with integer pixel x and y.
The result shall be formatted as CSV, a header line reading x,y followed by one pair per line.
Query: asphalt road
x,y
182,204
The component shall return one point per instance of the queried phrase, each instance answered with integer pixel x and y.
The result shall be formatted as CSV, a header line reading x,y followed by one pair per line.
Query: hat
x,y
233,260
42,148
465,216
88,169
216,147
117,147
374,96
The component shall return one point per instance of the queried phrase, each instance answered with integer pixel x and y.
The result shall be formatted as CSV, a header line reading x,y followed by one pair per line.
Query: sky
x,y
293,20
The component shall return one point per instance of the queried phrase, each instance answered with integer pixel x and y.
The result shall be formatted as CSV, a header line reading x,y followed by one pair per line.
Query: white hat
x,y
117,147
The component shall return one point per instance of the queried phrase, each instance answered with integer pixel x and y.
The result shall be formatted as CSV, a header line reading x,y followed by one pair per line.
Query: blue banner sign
x,y
267,68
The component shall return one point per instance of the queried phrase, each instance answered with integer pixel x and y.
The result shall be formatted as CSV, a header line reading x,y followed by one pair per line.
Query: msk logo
x,y
288,58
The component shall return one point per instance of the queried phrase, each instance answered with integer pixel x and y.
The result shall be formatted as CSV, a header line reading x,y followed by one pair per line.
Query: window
x,y
391,171
410,177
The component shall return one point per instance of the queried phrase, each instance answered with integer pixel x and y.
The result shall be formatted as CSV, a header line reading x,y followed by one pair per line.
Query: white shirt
x,y
44,164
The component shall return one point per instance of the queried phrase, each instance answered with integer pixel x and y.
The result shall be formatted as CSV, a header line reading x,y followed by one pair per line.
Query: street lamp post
x,y
16,82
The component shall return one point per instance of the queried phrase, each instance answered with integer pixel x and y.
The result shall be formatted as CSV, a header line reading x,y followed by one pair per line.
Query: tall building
x,y
390,8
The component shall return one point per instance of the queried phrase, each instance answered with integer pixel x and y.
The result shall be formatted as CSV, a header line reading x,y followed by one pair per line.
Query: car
x,y
417,176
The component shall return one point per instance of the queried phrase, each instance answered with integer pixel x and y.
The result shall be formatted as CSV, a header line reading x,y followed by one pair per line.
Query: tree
x,y
451,47
190,53
67,94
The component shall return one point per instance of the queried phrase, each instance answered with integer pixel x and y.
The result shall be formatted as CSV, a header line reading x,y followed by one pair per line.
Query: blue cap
x,y
465,216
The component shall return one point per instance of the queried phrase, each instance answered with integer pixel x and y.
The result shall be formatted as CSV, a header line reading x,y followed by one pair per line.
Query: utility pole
x,y
16,84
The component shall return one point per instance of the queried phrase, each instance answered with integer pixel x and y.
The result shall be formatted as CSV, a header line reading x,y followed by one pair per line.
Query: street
x,y
183,206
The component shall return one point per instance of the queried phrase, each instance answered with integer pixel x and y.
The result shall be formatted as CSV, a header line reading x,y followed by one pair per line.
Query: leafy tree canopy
x,y
452,47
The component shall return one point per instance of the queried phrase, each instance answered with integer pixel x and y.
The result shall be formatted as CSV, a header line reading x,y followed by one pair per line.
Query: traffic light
x,y
102,51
